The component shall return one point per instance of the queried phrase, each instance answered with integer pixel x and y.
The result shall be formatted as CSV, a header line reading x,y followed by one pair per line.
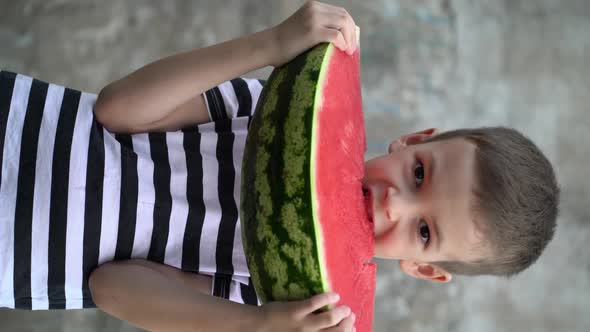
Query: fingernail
x,y
348,311
335,297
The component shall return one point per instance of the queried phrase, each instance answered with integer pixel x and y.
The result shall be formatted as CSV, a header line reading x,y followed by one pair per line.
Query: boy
x,y
441,204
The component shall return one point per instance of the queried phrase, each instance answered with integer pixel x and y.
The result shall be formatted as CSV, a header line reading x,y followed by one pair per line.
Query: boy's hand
x,y
313,23
298,316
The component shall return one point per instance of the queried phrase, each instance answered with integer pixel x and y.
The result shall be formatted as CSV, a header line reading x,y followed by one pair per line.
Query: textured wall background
x,y
444,63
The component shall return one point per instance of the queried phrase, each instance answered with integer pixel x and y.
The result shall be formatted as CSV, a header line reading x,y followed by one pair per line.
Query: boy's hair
x,y
516,198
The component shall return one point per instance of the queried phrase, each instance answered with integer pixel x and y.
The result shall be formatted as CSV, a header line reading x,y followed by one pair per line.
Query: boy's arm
x,y
161,298
166,94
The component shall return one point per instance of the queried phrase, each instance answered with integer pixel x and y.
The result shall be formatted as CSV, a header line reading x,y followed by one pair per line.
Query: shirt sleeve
x,y
232,99
229,288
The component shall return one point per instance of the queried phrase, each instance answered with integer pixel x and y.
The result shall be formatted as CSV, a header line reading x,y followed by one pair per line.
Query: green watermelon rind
x,y
270,210
314,144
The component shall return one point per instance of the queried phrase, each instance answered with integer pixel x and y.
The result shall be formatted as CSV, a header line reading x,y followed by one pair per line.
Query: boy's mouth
x,y
368,203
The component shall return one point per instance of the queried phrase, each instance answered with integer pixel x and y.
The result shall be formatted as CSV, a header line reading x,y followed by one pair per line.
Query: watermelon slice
x,y
305,227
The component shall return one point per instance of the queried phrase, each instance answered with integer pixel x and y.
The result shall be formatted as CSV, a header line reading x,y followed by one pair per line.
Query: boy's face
x,y
419,197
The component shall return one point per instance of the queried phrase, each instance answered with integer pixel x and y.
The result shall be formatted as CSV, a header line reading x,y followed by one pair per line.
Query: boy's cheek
x,y
376,168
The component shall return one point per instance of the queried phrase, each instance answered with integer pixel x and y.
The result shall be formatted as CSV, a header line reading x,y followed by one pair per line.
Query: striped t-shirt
x,y
74,195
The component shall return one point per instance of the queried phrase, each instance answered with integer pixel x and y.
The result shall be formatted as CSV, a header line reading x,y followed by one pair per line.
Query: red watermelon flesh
x,y
345,227
305,229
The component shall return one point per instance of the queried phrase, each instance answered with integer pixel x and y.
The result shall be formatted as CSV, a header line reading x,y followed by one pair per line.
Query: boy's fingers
x,y
318,301
351,32
334,36
338,316
354,40
338,18
340,23
347,324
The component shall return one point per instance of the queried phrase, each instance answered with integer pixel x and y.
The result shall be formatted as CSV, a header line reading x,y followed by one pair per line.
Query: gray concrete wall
x,y
445,63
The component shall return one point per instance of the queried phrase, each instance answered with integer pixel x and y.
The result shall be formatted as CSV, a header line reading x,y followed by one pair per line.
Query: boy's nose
x,y
391,215
392,209
399,205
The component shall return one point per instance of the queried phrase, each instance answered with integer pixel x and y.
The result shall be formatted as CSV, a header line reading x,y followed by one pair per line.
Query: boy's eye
x,y
424,231
419,174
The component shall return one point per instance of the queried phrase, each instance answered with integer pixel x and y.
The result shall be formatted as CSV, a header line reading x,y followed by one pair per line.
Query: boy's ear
x,y
425,271
412,138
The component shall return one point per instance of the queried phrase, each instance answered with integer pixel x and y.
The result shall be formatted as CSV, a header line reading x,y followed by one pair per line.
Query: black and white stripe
x,y
6,88
78,165
12,135
25,193
92,208
73,195
56,228
239,102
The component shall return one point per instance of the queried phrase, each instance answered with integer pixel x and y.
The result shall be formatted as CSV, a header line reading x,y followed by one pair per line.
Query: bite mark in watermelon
x,y
305,228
